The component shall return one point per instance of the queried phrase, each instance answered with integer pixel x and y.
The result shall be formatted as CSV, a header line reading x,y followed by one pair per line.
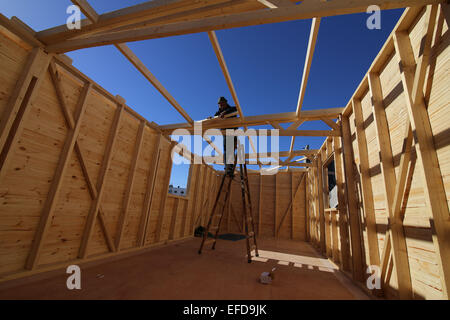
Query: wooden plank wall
x,y
82,175
274,212
380,170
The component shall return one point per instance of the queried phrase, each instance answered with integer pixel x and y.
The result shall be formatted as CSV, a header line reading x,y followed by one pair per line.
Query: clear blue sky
x,y
265,63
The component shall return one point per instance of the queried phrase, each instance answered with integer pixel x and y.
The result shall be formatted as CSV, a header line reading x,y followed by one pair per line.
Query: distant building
x,y
177,190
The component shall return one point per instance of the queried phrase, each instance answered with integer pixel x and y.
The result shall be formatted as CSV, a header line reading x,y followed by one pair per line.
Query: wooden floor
x,y
177,271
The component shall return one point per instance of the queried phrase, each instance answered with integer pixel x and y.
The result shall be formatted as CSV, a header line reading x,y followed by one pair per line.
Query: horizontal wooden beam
x,y
281,133
114,19
306,115
307,9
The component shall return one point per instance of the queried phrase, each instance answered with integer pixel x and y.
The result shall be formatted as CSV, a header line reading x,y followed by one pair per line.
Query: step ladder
x,y
222,200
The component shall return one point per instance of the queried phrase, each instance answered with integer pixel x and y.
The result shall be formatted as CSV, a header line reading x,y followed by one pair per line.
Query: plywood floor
x,y
177,271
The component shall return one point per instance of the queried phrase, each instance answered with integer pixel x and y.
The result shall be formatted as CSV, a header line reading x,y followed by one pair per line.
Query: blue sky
x,y
265,62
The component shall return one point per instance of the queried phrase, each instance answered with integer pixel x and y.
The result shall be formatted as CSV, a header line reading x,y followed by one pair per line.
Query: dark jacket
x,y
229,109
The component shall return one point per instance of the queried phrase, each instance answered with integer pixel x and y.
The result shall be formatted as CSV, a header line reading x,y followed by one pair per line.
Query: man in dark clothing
x,y
307,148
225,109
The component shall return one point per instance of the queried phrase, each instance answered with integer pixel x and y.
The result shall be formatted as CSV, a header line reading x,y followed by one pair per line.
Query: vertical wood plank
x,y
164,195
148,199
130,184
352,202
320,201
366,184
173,220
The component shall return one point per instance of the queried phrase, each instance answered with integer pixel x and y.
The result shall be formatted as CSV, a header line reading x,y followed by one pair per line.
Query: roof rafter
x,y
218,51
87,9
308,62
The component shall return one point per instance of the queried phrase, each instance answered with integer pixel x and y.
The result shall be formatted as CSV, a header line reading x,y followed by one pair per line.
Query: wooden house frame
x,y
391,163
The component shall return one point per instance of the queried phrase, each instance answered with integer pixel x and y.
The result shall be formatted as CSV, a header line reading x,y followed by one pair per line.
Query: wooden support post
x,y
164,195
130,184
92,215
388,172
173,220
335,238
198,193
342,206
188,195
320,197
413,84
352,203
149,193
52,196
366,184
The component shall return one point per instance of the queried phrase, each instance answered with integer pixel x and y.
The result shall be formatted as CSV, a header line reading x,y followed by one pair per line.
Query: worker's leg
x,y
229,156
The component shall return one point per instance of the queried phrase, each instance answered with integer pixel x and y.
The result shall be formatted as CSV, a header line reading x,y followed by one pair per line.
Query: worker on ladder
x,y
227,111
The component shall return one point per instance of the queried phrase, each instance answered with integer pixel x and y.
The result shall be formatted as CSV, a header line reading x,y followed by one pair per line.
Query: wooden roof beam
x,y
307,115
219,54
121,17
307,9
308,62
86,8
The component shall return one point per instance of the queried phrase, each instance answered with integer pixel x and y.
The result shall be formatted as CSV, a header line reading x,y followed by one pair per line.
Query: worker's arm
x,y
224,115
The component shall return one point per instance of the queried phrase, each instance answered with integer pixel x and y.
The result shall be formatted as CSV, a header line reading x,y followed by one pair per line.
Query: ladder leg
x,y
205,234
227,198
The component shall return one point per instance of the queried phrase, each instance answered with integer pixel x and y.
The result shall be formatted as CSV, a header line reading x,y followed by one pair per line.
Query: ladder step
x,y
252,247
208,241
213,228
218,215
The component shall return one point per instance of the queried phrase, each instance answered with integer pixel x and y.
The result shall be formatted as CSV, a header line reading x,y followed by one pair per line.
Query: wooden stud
x,y
130,184
352,202
150,189
320,201
366,184
162,205
174,218
194,197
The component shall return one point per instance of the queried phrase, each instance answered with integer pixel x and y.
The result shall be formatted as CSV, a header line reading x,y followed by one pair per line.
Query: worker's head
x,y
222,102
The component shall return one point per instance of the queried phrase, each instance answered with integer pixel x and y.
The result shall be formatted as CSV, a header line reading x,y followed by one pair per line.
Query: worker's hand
x,y
222,115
